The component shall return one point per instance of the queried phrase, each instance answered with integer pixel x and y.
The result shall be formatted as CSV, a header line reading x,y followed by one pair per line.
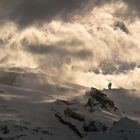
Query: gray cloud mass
x,y
26,12
134,5
44,49
84,40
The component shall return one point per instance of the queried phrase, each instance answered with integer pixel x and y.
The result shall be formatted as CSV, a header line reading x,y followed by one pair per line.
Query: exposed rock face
x,y
69,124
77,117
63,102
120,25
15,130
4,129
94,126
69,112
100,99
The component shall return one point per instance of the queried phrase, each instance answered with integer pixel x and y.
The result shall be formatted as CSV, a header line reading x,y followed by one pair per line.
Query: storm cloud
x,y
84,41
133,5
58,50
26,12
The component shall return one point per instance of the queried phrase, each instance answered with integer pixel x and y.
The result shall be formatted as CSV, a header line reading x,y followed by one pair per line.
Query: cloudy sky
x,y
89,42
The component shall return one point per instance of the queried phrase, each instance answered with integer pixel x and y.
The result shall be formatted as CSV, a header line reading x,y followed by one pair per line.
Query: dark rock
x,y
91,102
94,126
120,25
4,129
121,131
69,112
99,98
64,102
69,124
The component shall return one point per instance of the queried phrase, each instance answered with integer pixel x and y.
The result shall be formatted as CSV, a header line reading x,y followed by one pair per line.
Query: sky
x,y
88,42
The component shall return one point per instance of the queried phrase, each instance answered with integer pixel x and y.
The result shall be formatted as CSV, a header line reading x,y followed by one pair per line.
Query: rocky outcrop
x,y
121,25
63,102
71,113
69,124
94,126
77,117
98,98
13,130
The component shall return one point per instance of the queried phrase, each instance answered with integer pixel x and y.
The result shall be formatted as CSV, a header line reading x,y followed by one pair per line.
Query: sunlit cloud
x,y
88,49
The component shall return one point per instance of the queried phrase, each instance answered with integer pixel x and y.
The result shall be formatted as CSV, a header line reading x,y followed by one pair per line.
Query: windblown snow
x,y
36,106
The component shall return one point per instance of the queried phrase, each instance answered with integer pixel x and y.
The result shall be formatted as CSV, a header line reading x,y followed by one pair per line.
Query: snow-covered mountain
x,y
36,106
36,81
128,101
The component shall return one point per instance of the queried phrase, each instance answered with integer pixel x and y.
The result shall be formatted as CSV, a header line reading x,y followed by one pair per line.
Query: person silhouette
x,y
109,85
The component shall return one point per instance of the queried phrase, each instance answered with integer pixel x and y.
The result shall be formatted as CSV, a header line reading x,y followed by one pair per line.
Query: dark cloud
x,y
26,12
59,51
132,12
108,67
133,5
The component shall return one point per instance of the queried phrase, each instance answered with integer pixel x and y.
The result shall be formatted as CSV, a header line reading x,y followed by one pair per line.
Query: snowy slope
x,y
36,106
125,129
28,79
128,101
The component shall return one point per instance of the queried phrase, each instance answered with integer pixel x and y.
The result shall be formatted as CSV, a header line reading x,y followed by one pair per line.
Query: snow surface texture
x,y
35,106
128,101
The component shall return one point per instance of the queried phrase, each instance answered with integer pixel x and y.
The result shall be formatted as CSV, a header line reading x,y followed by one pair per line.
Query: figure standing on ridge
x,y
109,85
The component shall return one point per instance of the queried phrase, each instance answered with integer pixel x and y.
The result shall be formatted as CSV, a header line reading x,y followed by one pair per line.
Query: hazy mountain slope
x,y
29,110
125,129
127,100
31,80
